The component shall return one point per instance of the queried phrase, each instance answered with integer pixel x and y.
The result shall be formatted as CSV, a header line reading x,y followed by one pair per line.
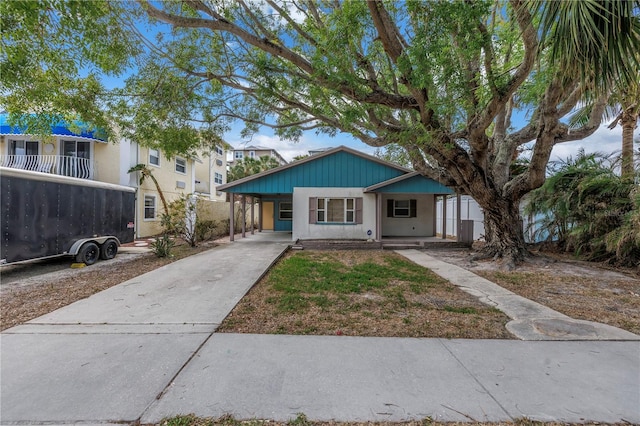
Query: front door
x,y
267,215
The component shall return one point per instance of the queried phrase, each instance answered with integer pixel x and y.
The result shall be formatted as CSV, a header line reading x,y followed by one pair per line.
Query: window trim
x,y
238,155
157,156
155,208
176,166
281,210
215,178
412,208
324,209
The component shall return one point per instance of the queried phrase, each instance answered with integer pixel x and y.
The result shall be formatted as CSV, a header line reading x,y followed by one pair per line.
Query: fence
x,y
471,211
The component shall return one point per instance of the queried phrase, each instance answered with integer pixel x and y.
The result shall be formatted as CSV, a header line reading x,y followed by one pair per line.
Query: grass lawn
x,y
361,293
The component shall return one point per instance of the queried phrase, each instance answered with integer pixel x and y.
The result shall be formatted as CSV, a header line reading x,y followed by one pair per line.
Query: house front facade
x,y
343,194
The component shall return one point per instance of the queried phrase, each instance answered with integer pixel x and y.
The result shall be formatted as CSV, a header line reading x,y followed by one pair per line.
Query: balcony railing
x,y
55,164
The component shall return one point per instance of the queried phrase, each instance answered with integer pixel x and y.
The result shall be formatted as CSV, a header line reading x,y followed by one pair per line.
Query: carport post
x,y
244,216
231,216
253,201
260,215
444,217
378,216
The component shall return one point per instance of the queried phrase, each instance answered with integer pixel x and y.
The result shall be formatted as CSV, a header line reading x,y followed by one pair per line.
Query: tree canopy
x,y
463,87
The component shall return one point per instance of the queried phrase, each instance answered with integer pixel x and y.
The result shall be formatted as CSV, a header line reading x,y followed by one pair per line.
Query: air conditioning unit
x,y
180,184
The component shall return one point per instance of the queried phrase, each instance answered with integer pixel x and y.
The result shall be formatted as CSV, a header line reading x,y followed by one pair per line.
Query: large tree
x,y
462,86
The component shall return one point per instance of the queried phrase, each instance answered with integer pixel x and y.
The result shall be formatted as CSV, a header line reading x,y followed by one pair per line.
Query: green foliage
x,y
250,166
163,245
587,208
183,220
53,53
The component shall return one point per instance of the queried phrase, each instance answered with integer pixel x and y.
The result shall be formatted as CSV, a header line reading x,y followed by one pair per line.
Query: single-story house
x,y
342,194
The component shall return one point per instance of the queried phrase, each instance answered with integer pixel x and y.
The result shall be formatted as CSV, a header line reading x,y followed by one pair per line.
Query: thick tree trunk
x,y
503,233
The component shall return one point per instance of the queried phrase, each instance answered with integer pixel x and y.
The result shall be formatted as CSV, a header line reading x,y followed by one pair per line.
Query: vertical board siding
x,y
340,170
416,185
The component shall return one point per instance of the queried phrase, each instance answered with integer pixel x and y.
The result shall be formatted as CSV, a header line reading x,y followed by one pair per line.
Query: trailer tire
x,y
88,254
109,249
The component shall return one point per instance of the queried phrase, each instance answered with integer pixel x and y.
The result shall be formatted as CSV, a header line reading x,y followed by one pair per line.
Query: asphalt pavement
x,y
147,349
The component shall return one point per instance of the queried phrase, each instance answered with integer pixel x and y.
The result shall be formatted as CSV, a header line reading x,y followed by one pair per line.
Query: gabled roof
x,y
337,167
410,183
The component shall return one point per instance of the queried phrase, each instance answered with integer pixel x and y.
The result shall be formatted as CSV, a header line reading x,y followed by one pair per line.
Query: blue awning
x,y
61,129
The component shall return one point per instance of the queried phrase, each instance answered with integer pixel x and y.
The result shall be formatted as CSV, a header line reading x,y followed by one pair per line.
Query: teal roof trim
x,y
337,168
411,183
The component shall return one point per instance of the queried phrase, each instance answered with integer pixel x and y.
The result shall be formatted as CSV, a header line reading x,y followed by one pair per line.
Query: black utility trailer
x,y
45,215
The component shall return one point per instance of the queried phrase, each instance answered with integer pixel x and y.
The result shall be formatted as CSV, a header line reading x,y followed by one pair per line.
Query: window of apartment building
x,y
219,150
181,165
252,154
154,157
23,147
402,208
285,209
218,162
335,210
238,155
149,207
217,177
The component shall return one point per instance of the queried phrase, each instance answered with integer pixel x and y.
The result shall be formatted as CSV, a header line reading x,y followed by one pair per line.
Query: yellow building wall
x,y
106,166
169,181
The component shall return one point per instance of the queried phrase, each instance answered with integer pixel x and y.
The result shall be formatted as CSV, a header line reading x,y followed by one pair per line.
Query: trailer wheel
x,y
108,250
88,254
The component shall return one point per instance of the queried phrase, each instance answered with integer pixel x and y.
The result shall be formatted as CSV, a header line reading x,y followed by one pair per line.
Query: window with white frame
x,y
402,208
22,147
181,165
252,154
217,177
219,150
149,207
154,157
285,210
336,210
238,155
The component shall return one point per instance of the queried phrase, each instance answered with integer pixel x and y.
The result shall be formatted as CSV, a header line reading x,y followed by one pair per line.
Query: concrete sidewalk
x,y
146,349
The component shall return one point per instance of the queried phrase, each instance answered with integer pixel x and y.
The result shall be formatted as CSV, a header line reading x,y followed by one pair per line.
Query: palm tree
x,y
585,207
145,172
628,100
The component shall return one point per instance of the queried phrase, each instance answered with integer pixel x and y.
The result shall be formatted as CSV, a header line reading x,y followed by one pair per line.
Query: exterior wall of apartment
x,y
107,166
213,164
173,184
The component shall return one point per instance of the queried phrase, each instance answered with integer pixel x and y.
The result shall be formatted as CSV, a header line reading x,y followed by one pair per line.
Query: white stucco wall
x,y
419,226
302,229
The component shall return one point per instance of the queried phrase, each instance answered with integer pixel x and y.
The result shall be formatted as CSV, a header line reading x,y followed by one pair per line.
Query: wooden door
x,y
267,215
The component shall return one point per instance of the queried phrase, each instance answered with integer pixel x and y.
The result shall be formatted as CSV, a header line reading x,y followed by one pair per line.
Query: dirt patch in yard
x,y
581,290
361,293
